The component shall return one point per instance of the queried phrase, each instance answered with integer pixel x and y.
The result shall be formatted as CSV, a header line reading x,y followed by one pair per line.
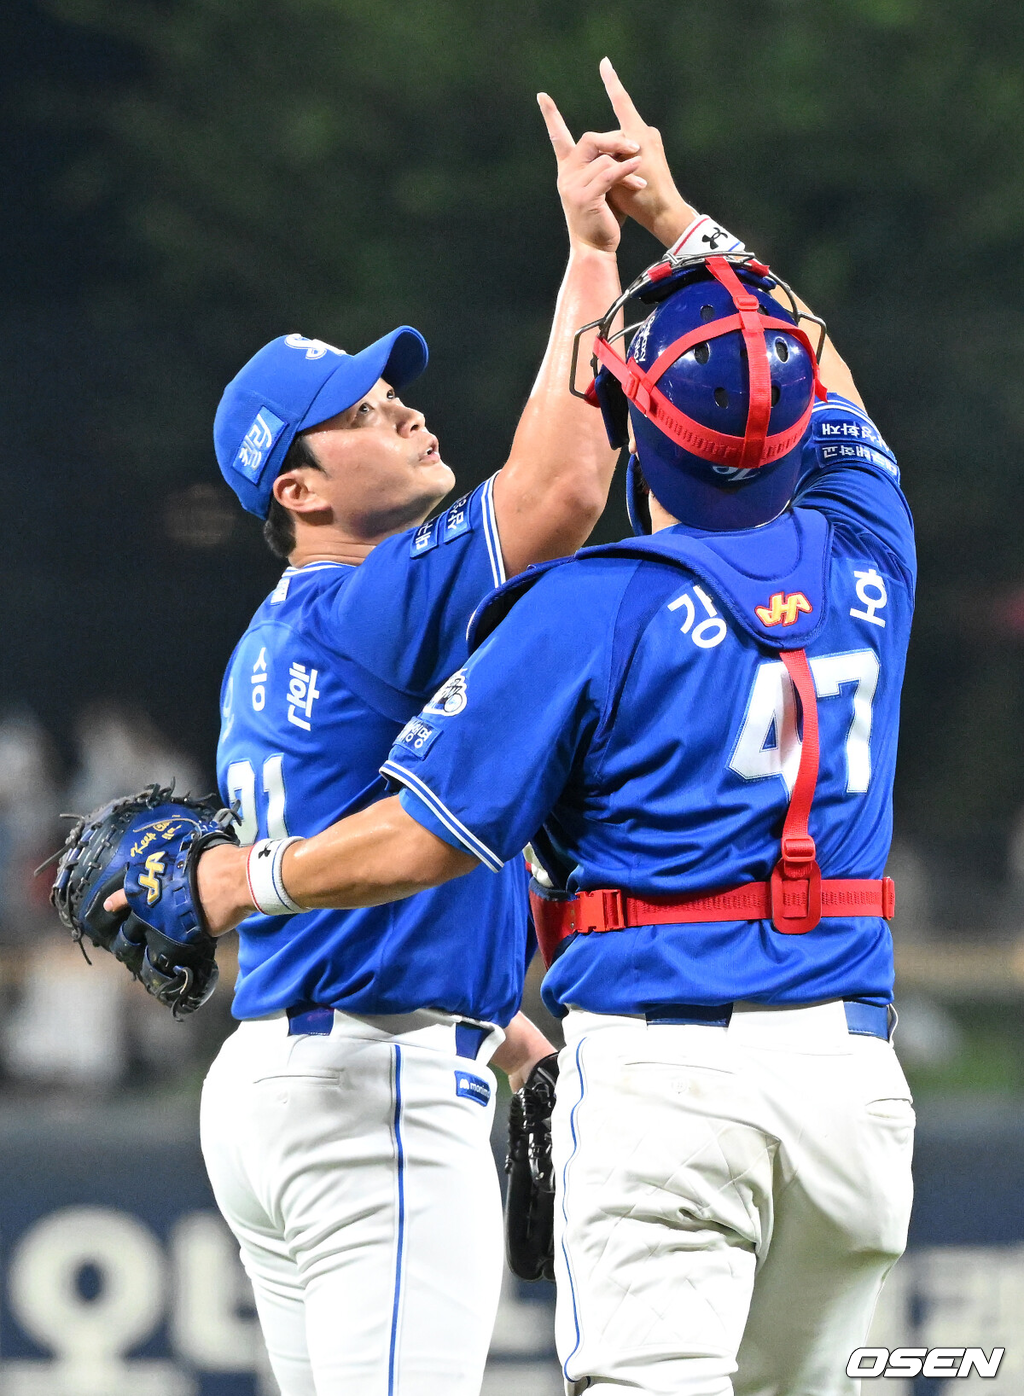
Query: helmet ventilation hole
x,y
702,352
721,397
707,312
775,393
782,349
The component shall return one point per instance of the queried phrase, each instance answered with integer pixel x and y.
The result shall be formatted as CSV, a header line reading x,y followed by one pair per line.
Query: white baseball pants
x,y
730,1201
355,1169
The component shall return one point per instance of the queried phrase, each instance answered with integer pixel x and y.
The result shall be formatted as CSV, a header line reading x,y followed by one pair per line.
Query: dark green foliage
x,y
336,166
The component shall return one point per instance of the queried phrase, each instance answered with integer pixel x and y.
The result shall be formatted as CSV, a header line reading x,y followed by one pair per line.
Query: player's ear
x,y
295,490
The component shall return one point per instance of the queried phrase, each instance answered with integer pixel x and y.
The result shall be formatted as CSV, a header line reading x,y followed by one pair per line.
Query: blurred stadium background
x,y
184,179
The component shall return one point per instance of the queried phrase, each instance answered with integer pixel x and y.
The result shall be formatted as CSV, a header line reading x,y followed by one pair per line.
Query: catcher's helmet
x,y
719,382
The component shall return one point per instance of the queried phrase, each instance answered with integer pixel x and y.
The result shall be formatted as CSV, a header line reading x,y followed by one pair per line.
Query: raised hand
x,y
657,205
588,169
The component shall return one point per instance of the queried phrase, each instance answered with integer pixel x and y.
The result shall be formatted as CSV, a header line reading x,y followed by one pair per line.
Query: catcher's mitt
x,y
149,844
530,1199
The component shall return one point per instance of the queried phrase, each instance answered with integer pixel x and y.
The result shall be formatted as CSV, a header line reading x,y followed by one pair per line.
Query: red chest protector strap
x,y
794,900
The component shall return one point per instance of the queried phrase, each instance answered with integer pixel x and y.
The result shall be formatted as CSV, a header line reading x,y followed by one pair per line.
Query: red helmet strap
x,y
755,447
759,371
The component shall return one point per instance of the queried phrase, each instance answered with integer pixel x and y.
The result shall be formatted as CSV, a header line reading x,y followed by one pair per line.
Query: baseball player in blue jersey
x,y
346,1124
696,729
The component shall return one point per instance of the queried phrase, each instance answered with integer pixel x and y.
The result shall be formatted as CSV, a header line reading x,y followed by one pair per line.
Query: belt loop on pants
x,y
862,1019
469,1038
319,1022
310,1022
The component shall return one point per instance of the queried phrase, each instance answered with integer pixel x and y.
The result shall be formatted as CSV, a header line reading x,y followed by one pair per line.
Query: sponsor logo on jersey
x,y
456,520
315,348
417,736
927,1362
425,538
150,879
849,431
450,698
828,455
257,444
472,1087
783,610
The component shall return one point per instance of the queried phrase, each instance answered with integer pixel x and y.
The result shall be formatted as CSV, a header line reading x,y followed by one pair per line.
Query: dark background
x,y
184,179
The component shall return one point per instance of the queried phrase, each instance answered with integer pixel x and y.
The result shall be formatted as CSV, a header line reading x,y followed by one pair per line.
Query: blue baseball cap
x,y
293,383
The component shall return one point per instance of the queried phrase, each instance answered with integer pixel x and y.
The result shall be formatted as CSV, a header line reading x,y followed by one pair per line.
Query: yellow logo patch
x,y
783,610
150,879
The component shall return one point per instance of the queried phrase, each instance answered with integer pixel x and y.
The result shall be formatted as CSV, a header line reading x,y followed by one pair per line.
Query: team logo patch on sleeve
x,y
417,736
783,610
472,1087
450,698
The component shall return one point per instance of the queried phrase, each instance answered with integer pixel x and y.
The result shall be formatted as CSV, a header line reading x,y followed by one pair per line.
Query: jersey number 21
x,y
241,783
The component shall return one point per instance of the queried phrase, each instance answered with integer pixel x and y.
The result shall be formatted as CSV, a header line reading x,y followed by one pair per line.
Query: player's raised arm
x,y
555,482
660,208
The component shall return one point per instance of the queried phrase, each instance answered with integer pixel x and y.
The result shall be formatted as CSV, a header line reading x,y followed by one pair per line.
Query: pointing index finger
x,y
622,102
561,137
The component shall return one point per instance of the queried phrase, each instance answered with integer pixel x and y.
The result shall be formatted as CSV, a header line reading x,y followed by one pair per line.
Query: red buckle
x,y
888,898
798,850
591,394
745,301
659,272
603,910
795,902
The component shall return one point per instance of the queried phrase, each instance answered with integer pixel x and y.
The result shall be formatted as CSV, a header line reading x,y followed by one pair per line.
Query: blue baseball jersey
x,y
333,663
632,703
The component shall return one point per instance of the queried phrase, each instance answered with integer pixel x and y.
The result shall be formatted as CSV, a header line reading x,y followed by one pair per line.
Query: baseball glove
x,y
149,844
530,1198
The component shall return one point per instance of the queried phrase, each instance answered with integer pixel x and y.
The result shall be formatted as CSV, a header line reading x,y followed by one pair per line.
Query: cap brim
x,y
398,357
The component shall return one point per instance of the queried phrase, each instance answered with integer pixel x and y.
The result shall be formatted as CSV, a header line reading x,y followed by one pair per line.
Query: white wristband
x,y
266,885
705,236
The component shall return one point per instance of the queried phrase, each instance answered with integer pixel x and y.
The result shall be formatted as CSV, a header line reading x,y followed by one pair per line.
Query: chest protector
x,y
788,562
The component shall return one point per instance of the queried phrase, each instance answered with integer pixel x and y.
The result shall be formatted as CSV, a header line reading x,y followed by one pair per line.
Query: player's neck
x,y
660,517
333,549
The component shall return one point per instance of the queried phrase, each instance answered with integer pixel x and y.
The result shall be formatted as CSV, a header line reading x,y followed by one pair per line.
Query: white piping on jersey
x,y
844,406
313,567
444,814
491,533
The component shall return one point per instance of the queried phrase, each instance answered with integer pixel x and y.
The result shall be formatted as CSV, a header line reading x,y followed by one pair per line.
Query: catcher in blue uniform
x,y
695,729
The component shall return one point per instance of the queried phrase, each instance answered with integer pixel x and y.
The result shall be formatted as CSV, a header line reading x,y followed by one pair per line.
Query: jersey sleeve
x,y
489,756
402,618
850,475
